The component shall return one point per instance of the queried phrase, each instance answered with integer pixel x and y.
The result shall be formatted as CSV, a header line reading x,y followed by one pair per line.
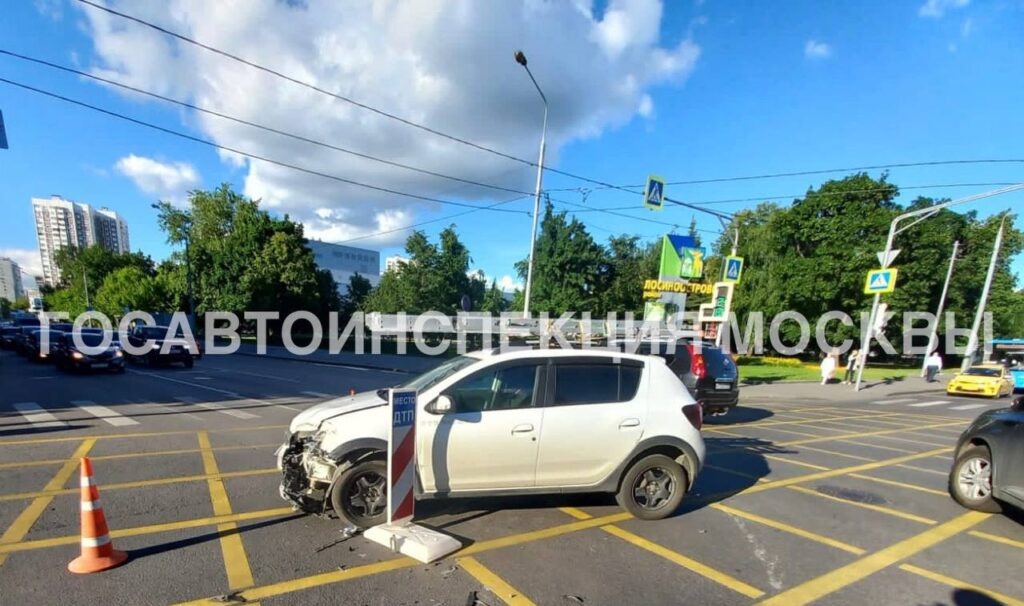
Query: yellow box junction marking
x,y
236,563
958,584
23,523
507,593
849,574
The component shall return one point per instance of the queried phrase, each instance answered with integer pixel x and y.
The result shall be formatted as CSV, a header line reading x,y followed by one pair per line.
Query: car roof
x,y
987,366
536,352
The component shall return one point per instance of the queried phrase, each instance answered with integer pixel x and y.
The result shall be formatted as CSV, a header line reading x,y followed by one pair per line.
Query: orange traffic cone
x,y
98,552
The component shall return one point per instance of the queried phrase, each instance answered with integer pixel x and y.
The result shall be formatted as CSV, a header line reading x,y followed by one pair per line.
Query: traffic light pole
x,y
919,215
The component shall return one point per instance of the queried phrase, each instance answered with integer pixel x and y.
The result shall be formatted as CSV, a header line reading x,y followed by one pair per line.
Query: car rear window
x,y
718,363
595,382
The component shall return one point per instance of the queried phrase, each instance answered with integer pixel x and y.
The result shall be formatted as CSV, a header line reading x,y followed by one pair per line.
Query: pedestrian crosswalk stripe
x,y
932,403
317,394
238,414
37,416
968,406
102,412
893,401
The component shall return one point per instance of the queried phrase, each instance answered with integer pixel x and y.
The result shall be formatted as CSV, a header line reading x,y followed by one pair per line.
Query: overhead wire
x,y
256,125
246,154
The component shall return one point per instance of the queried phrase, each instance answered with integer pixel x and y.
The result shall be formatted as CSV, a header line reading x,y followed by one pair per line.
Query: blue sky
x,y
770,88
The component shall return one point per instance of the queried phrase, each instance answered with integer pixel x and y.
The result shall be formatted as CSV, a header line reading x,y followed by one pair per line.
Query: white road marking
x,y
893,401
176,412
37,416
110,416
359,368
238,414
968,406
317,394
931,403
189,383
258,375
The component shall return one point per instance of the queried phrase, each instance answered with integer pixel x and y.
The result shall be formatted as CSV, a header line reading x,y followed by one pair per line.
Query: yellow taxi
x,y
990,380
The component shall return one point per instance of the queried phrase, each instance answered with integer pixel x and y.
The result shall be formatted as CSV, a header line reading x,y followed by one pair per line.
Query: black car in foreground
x,y
8,336
68,356
708,372
988,466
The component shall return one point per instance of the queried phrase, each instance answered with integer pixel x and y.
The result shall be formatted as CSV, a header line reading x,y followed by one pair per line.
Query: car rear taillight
x,y
694,414
697,365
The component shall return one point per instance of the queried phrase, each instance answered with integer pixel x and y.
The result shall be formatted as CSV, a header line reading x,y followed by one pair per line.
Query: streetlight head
x,y
520,58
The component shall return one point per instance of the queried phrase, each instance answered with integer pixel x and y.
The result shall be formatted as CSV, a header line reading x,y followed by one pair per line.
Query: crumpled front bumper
x,y
307,474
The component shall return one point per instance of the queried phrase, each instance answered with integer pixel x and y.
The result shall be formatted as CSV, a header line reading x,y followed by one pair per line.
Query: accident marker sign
x,y
733,269
401,455
880,281
654,193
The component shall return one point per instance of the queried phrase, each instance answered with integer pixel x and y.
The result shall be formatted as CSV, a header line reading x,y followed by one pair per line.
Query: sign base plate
x,y
413,540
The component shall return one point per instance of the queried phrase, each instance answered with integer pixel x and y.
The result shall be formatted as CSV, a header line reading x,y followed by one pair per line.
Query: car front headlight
x,y
77,355
118,353
155,346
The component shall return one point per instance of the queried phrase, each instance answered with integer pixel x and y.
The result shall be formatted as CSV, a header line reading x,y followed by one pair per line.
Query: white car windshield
x,y
432,377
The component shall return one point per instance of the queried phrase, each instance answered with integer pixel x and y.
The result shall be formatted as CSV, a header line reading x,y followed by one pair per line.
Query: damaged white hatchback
x,y
510,423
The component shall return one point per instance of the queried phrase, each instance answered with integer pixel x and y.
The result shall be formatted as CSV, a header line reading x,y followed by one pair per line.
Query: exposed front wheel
x,y
653,487
970,481
360,494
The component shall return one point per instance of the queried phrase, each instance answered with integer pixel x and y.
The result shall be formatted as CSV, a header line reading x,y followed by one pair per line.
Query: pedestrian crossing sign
x,y
880,281
733,269
654,193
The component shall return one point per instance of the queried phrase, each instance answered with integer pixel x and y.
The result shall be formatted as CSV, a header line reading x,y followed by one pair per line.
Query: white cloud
x,y
27,258
445,64
817,50
935,9
169,180
508,284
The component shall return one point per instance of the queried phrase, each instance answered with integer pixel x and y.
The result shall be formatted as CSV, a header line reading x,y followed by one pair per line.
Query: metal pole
x,y
85,281
188,281
921,214
972,342
933,339
521,59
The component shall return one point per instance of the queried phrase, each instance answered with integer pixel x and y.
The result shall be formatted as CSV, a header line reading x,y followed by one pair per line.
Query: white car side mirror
x,y
441,405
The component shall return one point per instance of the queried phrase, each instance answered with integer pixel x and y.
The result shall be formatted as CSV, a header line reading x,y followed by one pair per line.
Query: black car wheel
x,y
360,494
653,487
970,481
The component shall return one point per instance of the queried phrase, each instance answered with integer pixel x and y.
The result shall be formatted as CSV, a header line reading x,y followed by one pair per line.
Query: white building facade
x,y
10,280
345,261
61,223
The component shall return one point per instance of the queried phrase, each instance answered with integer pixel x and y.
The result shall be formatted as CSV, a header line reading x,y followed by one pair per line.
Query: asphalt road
x,y
811,494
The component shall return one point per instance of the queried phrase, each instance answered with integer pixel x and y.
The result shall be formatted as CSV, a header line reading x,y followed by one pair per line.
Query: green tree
x,y
568,266
356,294
494,300
131,288
628,263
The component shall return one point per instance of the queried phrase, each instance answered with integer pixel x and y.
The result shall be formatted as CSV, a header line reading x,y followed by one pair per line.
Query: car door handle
x,y
629,423
524,428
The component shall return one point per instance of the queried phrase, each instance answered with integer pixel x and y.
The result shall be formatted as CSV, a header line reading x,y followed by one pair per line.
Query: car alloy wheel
x,y
653,489
974,480
368,494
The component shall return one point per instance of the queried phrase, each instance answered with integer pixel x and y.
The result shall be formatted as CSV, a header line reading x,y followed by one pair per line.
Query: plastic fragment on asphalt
x,y
474,600
346,533
233,598
449,572
574,598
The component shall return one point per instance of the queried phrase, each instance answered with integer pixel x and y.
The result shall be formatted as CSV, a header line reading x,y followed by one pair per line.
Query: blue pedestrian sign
x,y
880,281
733,269
654,193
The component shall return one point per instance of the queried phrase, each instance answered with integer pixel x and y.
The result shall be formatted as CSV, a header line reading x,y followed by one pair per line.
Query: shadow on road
x,y
7,431
740,415
206,537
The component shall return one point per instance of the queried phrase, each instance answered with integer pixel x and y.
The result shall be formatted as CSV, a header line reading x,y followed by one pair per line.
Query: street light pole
x,y
933,339
920,214
972,342
521,60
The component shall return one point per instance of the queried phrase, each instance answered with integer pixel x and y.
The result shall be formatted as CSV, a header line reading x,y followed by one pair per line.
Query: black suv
x,y
709,374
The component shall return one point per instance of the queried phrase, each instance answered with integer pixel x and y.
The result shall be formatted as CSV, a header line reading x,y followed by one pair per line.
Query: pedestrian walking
x,y
852,364
828,368
932,366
